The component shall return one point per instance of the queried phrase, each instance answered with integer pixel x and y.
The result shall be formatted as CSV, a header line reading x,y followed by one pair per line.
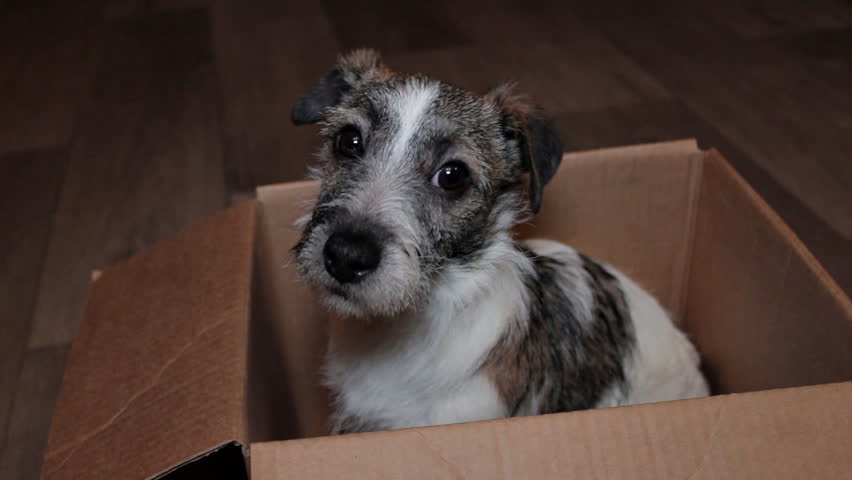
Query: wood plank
x,y
627,8
666,41
254,45
594,77
127,9
393,26
742,19
35,394
760,19
145,162
568,66
576,82
826,47
28,191
21,257
29,186
47,55
267,56
510,23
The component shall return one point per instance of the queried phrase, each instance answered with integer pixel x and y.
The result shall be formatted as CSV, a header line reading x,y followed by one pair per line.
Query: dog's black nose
x,y
349,256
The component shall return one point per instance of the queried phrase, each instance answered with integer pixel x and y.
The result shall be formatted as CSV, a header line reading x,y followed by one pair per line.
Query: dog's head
x,y
416,175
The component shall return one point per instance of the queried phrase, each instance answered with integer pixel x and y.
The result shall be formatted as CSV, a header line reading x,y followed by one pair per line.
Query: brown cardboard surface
x,y
157,371
289,328
763,311
782,434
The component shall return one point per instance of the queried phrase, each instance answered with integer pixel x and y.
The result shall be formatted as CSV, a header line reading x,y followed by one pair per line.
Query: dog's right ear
x,y
538,142
352,70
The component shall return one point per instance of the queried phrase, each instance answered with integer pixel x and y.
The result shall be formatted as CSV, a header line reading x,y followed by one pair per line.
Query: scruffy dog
x,y
448,318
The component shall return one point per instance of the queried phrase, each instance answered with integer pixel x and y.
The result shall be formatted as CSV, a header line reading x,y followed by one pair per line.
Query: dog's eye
x,y
349,143
453,176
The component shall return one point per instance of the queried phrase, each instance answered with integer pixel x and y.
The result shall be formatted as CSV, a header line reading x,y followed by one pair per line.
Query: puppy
x,y
447,318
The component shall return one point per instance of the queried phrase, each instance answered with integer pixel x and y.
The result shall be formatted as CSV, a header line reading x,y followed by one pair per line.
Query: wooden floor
x,y
124,121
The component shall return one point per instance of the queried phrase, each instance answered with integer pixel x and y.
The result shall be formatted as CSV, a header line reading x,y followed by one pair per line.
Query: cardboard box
x,y
209,338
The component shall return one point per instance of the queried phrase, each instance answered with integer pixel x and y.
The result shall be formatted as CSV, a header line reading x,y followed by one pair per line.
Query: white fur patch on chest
x,y
424,369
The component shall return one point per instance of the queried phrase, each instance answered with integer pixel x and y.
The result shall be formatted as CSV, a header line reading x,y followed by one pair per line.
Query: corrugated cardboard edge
x,y
785,231
779,434
674,147
694,200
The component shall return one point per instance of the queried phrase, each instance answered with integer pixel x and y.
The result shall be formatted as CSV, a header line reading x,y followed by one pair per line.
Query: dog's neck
x,y
469,309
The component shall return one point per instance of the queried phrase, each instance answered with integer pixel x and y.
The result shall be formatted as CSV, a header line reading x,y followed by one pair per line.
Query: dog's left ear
x,y
539,144
352,70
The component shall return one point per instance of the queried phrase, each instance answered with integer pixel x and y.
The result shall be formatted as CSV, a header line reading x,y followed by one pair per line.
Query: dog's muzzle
x,y
351,255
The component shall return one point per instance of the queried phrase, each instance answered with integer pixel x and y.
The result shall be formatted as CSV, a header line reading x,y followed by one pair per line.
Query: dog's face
x,y
416,175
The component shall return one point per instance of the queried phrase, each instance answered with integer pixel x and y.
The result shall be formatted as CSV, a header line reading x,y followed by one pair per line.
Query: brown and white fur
x,y
447,317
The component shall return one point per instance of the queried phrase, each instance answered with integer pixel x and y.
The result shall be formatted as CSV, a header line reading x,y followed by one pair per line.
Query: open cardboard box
x,y
209,338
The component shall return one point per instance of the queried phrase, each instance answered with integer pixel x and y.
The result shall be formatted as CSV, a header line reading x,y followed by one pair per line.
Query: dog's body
x,y
448,318
509,353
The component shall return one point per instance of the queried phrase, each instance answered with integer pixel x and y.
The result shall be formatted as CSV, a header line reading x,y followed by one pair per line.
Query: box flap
x,y
289,333
632,207
795,433
763,311
157,372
